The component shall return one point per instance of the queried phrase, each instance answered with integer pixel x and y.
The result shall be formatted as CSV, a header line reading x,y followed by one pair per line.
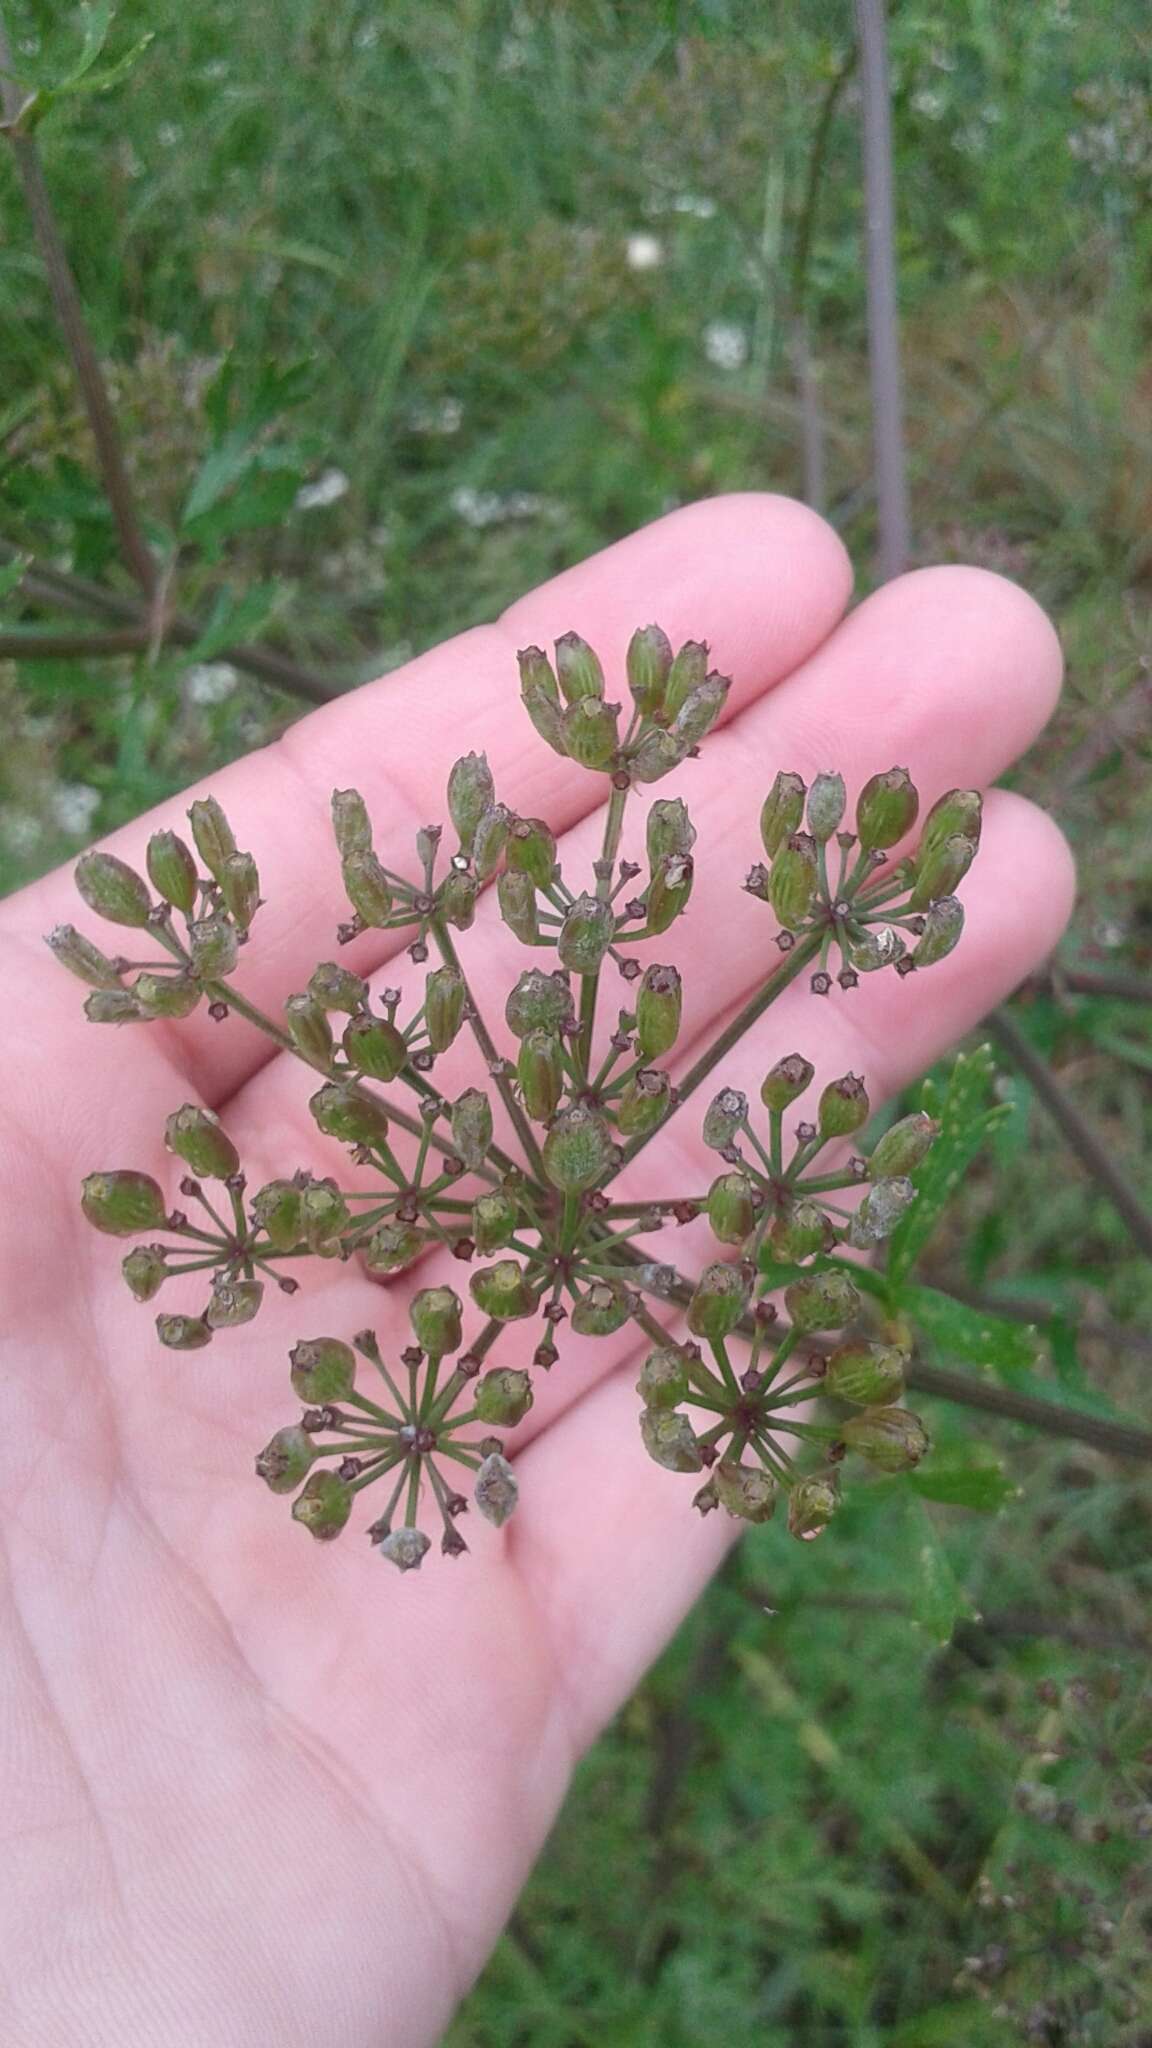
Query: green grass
x,y
404,233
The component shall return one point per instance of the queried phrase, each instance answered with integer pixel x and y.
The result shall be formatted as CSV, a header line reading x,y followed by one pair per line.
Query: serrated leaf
x,y
973,1334
966,1118
938,1599
985,1487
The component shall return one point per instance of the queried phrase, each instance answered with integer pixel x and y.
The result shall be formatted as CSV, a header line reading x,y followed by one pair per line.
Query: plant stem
x,y
590,983
66,300
492,1058
1051,1417
1088,1146
880,262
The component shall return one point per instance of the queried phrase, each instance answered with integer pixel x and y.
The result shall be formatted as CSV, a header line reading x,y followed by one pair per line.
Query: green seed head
x,y
82,958
172,870
183,1333
670,1440
503,1397
686,674
211,834
114,1006
436,1317
323,1370
166,995
880,1211
213,945
644,1103
792,883
781,812
940,868
444,994
843,1107
324,1506
503,1291
578,669
491,840
516,900
286,1460
601,1311
341,1110
323,1215
234,1302
536,673
669,830
943,924
786,1082
367,887
405,1548
197,1137
494,1220
374,1046
700,710
112,889
799,1232
821,1301
123,1204
337,988
957,814
658,1007
393,1247
724,1118
309,1030
731,1210
457,900
811,1506
470,791
278,1209
577,1150
886,809
720,1298
471,1121
826,801
496,1491
351,824
867,1374
663,1381
538,1002
145,1269
532,850
668,891
649,663
747,1491
240,888
654,755
591,733
903,1146
540,1070
585,935
892,1439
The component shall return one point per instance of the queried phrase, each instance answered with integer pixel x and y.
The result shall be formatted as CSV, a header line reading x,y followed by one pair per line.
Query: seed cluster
x,y
533,1219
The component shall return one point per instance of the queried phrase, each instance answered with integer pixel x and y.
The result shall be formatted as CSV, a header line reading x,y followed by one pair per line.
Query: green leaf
x,y
235,619
12,575
980,1338
221,469
984,1486
1061,1334
938,1599
966,1117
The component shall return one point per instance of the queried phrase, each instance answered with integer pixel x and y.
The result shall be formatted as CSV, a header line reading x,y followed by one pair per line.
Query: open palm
x,y
255,1789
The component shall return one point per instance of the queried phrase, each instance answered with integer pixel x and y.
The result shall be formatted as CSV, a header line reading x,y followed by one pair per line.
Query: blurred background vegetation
x,y
404,308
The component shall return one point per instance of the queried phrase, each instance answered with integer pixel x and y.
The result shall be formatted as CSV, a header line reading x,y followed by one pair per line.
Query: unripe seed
x,y
577,668
663,1381
197,1137
903,1146
720,1298
145,1269
240,888
585,935
867,1374
496,1491
324,1506
286,1460
644,1103
405,1548
787,1080
323,1370
343,1111
821,1301
172,870
781,812
670,1440
540,1070
309,1030
731,1212
747,1491
503,1291
82,958
374,1045
843,1107
213,946
470,791
351,824
668,892
435,1314
471,1122
943,924
658,1007
669,830
337,988
516,900
278,1209
724,1118
792,883
538,1002
686,674
212,834
503,1397
886,809
183,1333
444,994
112,889
811,1506
649,662
892,1439
124,1203
578,1149
367,887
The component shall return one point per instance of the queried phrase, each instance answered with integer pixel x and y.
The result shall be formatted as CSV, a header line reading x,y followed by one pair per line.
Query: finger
x,y
759,576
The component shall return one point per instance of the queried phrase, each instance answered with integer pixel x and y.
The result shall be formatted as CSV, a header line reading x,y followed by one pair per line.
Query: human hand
x,y
255,1789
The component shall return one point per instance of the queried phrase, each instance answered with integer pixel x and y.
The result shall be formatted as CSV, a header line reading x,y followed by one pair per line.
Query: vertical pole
x,y
880,264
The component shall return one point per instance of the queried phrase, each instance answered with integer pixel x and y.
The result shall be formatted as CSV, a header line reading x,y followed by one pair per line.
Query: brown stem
x,y
70,314
880,262
1089,1147
1051,1417
77,593
1091,981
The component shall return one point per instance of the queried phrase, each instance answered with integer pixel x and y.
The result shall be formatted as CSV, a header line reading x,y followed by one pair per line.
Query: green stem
x,y
590,983
483,1039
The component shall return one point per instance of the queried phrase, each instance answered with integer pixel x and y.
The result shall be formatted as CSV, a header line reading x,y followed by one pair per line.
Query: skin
x,y
254,1788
